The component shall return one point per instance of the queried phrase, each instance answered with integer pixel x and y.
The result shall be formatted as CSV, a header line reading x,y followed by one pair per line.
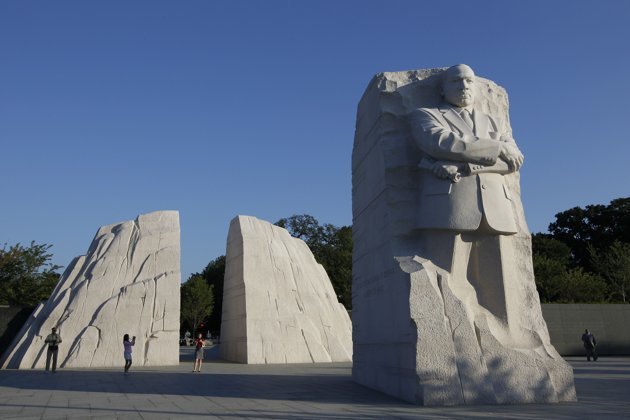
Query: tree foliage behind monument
x,y
613,265
27,275
585,257
214,274
595,226
197,302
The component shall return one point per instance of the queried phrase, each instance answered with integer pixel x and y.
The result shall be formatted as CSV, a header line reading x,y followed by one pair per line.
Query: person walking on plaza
x,y
589,345
199,343
53,340
127,353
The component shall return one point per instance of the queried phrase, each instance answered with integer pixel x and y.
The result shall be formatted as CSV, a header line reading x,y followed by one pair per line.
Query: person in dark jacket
x,y
589,345
53,340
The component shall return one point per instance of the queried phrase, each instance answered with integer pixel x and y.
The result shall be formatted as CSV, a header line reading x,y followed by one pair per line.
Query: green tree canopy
x,y
549,274
213,274
197,301
595,226
613,264
545,245
585,257
26,274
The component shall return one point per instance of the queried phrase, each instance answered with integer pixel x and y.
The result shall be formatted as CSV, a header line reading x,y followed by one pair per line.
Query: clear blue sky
x,y
110,109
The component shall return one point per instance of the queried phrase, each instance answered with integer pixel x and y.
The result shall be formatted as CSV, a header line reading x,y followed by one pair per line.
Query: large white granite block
x,y
127,283
278,303
458,318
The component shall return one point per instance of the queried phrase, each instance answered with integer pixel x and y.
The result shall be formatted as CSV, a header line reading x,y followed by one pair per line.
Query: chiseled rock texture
x,y
419,334
128,282
278,303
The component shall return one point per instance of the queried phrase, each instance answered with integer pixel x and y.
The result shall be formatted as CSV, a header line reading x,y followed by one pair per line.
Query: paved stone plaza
x,y
304,391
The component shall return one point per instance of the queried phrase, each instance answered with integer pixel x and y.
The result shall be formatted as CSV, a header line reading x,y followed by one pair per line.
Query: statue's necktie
x,y
465,114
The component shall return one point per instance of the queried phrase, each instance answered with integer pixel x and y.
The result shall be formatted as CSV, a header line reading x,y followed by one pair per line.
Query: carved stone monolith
x,y
127,283
278,303
445,308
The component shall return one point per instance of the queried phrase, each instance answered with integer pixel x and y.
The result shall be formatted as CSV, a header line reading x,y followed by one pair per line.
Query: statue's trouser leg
x,y
448,251
485,272
479,262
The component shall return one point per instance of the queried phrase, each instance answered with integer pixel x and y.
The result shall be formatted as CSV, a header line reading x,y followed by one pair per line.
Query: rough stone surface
x,y
128,282
278,303
435,338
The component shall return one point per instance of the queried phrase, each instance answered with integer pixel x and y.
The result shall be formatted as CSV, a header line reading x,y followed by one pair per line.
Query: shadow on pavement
x,y
602,388
322,388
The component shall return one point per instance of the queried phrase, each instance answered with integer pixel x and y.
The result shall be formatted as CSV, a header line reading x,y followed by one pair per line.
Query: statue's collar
x,y
448,107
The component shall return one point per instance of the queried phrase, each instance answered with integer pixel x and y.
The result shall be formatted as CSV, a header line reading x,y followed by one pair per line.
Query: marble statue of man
x,y
441,243
465,203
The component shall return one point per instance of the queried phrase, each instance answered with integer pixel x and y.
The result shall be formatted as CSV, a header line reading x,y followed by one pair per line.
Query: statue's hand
x,y
445,171
511,154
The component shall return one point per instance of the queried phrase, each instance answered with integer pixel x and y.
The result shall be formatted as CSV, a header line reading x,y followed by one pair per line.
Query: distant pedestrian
x,y
53,340
589,345
199,343
128,345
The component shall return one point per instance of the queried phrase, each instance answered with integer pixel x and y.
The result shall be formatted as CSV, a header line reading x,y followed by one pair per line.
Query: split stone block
x,y
278,303
127,283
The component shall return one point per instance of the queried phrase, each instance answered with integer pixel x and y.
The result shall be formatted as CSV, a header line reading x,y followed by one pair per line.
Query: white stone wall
x,y
278,303
127,283
608,322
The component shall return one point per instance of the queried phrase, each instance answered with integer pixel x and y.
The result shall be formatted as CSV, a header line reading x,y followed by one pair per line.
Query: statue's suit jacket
x,y
442,134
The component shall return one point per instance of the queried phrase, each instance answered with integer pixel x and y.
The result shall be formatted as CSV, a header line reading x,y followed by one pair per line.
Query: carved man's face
x,y
458,86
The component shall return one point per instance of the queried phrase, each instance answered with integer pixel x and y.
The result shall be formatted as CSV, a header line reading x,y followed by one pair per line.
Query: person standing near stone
x,y
588,339
53,340
127,351
199,343
466,204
